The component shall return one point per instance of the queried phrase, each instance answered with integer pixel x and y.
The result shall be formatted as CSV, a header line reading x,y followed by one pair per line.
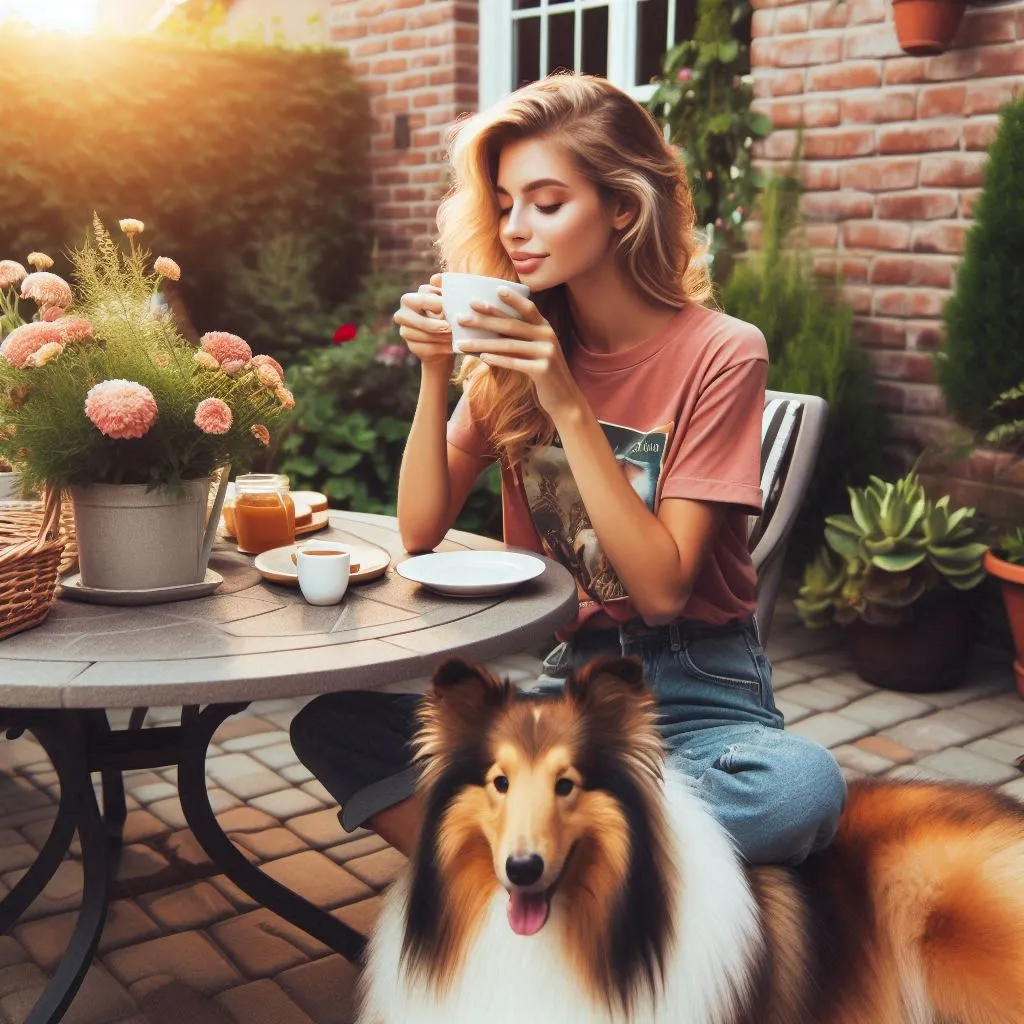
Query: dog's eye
x,y
563,787
501,783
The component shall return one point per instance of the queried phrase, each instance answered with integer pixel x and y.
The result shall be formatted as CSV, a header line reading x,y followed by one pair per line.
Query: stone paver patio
x,y
182,943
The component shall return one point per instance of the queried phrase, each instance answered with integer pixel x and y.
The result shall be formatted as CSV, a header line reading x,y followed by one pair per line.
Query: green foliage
x,y
1011,546
355,403
1009,409
812,350
983,352
893,546
44,430
222,152
704,97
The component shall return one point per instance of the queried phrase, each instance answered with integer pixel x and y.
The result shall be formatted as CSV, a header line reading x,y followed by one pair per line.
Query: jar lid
x,y
256,482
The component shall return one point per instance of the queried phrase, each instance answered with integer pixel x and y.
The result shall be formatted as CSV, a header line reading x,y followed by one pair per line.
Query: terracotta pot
x,y
1011,576
926,27
925,654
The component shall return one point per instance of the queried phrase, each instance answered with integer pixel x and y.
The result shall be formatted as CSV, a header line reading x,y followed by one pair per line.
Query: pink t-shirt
x,y
682,412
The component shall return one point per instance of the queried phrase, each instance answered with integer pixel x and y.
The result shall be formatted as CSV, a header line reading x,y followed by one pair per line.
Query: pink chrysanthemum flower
x,y
130,226
44,354
11,273
265,360
285,397
213,416
40,260
24,340
74,329
51,314
166,267
205,360
47,289
267,376
225,347
233,367
121,409
261,433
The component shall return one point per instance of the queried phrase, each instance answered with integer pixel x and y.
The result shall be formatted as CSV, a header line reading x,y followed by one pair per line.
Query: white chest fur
x,y
510,979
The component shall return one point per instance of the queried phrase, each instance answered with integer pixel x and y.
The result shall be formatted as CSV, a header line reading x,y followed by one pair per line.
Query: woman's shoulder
x,y
726,340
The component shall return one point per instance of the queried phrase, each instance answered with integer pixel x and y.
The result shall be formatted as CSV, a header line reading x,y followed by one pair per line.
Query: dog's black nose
x,y
524,870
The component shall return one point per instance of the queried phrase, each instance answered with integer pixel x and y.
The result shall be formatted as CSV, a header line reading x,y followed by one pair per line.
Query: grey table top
x,y
263,641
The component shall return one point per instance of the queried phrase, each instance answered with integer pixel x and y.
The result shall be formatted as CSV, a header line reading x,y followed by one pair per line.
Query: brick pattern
x,y
417,58
894,159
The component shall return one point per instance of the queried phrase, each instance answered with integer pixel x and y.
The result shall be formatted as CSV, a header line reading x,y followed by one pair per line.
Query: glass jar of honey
x,y
264,512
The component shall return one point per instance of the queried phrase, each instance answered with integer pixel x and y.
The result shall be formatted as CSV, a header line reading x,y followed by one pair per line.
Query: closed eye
x,y
554,208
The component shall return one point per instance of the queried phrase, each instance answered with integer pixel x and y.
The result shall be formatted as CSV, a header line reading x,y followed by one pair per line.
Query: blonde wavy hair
x,y
616,145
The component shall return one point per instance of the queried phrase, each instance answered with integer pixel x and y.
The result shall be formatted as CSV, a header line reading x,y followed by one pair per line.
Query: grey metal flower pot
x,y
133,539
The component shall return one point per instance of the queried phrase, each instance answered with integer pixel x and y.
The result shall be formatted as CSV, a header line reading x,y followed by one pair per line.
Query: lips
x,y
526,264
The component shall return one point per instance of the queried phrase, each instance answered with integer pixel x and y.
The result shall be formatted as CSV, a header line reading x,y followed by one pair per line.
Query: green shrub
x,y
983,354
354,407
223,153
812,350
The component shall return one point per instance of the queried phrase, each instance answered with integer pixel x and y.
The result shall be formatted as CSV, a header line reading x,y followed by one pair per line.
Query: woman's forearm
x,y
424,487
640,548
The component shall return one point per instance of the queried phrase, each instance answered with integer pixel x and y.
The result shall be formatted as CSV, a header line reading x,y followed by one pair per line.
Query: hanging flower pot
x,y
927,27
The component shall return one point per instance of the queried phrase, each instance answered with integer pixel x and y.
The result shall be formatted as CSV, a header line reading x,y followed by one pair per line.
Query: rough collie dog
x,y
563,877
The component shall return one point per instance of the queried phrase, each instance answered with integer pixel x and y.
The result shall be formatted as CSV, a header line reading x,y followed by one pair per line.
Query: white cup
x,y
323,573
457,290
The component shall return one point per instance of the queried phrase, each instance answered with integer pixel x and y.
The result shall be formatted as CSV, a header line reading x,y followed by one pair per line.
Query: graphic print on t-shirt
x,y
560,517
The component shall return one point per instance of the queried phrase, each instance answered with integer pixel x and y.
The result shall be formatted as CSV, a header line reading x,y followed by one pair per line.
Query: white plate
x,y
471,573
276,565
71,586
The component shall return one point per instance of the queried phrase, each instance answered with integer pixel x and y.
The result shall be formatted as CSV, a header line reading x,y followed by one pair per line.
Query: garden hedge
x,y
219,151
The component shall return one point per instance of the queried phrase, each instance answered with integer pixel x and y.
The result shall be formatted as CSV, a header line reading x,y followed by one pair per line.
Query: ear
x,y
616,682
462,696
625,214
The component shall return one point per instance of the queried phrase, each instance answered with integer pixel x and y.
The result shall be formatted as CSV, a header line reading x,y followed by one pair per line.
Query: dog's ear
x,y
610,692
463,695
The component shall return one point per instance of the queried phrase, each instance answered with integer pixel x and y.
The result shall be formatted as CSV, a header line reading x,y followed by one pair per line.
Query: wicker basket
x,y
31,548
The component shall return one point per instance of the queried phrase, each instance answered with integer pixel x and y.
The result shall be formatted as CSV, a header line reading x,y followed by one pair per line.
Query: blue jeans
x,y
778,794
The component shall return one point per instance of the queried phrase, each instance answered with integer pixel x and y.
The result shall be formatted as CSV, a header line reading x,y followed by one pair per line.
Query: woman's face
x,y
553,223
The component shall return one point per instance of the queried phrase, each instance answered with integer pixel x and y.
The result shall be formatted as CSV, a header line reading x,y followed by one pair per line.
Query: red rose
x,y
346,332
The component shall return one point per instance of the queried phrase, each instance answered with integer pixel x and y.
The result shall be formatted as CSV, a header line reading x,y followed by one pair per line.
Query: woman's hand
x,y
422,325
528,345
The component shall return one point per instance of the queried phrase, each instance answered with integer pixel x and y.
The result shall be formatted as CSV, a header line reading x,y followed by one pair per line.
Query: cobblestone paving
x,y
183,943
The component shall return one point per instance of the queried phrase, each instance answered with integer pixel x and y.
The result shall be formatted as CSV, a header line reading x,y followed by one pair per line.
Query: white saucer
x,y
276,565
471,573
71,586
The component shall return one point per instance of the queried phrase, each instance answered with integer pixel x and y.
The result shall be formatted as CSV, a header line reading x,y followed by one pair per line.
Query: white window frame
x,y
496,42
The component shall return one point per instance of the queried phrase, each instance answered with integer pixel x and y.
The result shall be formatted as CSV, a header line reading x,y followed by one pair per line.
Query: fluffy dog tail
x,y
948,892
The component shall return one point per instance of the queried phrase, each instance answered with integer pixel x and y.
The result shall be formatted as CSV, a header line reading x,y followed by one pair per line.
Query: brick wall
x,y
894,154
418,58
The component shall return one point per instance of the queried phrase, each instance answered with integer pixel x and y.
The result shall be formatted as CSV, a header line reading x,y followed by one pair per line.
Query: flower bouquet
x,y
101,396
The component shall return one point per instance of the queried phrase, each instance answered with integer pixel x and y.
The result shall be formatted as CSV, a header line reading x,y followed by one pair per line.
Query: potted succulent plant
x,y
897,572
102,397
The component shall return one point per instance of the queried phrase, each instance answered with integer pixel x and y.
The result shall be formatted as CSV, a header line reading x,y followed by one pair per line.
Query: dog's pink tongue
x,y
527,911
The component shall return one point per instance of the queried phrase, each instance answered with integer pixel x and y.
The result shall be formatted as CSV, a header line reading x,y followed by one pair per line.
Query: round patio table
x,y
212,656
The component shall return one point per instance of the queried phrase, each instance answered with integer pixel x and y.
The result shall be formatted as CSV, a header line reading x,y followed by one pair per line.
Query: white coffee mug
x,y
323,573
457,290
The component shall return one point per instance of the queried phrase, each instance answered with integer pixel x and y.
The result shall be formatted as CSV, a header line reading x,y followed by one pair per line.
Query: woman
x,y
626,416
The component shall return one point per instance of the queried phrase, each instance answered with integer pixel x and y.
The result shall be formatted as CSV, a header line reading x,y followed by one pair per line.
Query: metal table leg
x,y
62,735
198,728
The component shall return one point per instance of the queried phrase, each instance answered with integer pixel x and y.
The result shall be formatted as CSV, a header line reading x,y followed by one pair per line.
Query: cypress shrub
x,y
983,353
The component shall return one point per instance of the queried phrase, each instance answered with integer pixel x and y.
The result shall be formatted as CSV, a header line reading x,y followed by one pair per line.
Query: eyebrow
x,y
535,185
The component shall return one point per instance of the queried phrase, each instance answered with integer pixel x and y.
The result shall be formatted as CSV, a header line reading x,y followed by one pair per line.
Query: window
x,y
623,40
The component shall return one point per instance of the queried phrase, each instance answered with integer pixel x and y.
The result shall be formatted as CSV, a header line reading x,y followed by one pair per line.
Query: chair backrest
x,y
792,429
